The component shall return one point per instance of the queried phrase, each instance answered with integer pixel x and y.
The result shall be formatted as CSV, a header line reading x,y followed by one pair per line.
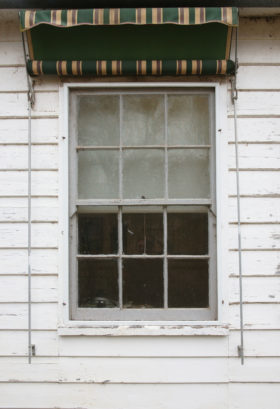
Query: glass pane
x,y
98,120
98,234
188,173
143,119
98,283
143,233
143,173
143,283
98,174
188,120
188,284
187,233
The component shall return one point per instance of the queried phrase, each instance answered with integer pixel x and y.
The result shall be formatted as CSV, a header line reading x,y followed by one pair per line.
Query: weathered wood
x,y
12,104
256,103
255,156
9,26
255,129
126,396
14,316
259,28
258,77
258,51
16,157
255,183
15,209
126,370
257,396
255,210
255,262
258,316
15,289
15,183
15,130
15,343
44,235
255,289
14,261
255,236
257,343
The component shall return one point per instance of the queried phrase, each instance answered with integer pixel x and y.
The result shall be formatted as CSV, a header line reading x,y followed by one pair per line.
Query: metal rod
x,y
234,99
30,98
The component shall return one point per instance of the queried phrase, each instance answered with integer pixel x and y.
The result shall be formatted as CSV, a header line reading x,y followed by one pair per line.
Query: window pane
x,y
143,173
98,283
143,119
188,173
98,234
98,174
143,283
143,233
187,233
188,120
98,120
188,284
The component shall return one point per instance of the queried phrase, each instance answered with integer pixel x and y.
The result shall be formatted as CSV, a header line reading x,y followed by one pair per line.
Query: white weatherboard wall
x,y
194,372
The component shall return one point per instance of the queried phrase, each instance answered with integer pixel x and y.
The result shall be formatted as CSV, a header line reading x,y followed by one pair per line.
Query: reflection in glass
x,y
98,233
187,233
143,283
188,173
98,174
143,233
98,283
188,120
143,173
98,120
188,284
143,119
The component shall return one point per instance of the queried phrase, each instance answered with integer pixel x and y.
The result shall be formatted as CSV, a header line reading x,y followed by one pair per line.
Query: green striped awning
x,y
136,67
139,16
136,41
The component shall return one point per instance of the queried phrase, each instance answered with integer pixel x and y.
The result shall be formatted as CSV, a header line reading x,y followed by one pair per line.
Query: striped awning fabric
x,y
136,16
138,67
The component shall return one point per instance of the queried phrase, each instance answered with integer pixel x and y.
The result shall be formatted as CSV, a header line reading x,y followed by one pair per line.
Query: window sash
x,y
164,314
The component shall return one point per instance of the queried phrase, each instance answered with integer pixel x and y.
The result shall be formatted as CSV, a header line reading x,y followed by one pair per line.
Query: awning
x,y
138,41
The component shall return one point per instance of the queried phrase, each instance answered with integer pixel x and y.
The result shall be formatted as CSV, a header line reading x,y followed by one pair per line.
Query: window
x,y
142,204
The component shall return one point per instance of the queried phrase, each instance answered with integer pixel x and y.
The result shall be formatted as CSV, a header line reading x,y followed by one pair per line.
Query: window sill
x,y
115,330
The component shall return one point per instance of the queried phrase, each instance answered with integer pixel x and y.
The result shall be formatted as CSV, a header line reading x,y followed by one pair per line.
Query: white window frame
x,y
147,327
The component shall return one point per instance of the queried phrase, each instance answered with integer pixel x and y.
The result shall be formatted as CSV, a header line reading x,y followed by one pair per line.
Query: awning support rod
x,y
234,97
31,101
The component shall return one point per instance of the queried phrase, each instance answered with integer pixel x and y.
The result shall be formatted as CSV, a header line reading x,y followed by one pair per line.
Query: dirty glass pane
x,y
98,233
188,120
98,174
188,284
143,119
143,173
98,283
187,233
98,120
143,283
188,173
143,233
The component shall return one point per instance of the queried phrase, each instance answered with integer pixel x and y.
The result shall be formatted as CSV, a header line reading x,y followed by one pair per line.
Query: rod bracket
x,y
32,350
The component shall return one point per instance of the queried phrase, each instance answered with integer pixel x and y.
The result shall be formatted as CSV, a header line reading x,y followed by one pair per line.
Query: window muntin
x,y
134,191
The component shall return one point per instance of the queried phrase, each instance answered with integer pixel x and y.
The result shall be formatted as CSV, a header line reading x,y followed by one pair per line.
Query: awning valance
x,y
121,40
138,16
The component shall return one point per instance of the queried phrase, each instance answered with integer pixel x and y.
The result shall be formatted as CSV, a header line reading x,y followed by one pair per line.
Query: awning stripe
x,y
138,16
135,67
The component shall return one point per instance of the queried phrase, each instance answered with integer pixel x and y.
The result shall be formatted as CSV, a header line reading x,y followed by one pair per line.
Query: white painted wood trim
x,y
132,328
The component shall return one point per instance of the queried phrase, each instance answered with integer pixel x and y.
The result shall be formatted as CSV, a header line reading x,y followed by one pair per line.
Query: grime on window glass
x,y
142,194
